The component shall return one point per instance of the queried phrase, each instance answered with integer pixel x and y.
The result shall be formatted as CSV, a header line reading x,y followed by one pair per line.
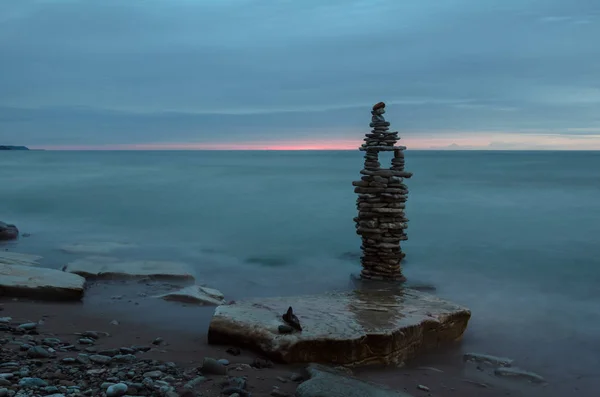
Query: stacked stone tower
x,y
381,201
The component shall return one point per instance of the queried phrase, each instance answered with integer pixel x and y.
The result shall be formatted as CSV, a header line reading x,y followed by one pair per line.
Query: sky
x,y
299,74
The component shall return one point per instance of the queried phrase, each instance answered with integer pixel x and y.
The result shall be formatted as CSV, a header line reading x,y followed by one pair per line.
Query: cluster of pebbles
x,y
381,202
34,365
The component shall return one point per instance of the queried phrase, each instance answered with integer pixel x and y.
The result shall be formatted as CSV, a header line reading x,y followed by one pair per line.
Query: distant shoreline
x,y
9,147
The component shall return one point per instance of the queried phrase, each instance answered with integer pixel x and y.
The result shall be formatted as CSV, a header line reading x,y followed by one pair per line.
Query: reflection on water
x,y
377,309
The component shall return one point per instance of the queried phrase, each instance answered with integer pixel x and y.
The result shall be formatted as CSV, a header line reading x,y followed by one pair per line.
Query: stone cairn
x,y
381,201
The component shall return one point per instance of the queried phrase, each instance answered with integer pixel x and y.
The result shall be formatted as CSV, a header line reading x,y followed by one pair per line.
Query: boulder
x,y
331,383
95,248
342,328
15,258
8,232
197,295
106,267
40,283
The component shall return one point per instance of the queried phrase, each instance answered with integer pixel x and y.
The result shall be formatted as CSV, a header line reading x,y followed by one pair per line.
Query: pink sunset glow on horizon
x,y
471,141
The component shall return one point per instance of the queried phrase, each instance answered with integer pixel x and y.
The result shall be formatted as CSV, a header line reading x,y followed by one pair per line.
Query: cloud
x,y
114,72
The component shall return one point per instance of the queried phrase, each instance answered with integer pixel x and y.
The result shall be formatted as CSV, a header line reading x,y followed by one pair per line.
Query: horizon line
x,y
441,149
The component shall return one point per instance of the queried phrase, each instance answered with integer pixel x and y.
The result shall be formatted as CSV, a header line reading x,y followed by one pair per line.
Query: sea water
x,y
514,236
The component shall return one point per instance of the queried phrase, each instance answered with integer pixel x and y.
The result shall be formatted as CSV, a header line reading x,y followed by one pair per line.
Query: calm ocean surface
x,y
512,235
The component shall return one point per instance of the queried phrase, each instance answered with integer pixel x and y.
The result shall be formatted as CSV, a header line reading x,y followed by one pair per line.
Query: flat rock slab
x,y
327,382
197,295
343,328
106,267
40,283
95,248
15,258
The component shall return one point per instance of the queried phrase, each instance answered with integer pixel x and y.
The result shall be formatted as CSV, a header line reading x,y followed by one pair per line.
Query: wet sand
x,y
141,319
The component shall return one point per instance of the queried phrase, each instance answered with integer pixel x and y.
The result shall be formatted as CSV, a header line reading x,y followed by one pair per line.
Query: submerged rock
x,y
107,267
8,232
195,294
349,328
15,258
95,248
519,373
486,358
329,382
40,283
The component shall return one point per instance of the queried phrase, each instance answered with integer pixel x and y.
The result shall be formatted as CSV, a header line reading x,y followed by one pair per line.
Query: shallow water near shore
x,y
511,235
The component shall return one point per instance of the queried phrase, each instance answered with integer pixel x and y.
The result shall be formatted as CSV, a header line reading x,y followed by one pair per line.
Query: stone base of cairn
x,y
381,202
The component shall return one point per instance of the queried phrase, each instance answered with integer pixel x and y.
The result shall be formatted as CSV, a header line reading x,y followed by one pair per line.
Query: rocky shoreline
x,y
72,349
91,363
63,350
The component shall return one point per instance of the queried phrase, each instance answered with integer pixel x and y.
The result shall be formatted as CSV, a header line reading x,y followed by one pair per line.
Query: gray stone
x,y
38,352
32,382
91,334
116,390
110,352
279,393
153,374
124,358
327,382
195,382
213,367
51,342
100,359
28,326
349,328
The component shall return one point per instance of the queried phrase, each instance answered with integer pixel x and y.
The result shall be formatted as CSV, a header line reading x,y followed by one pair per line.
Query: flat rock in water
x,y
15,258
40,283
519,373
197,295
488,359
349,328
331,383
97,248
106,267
